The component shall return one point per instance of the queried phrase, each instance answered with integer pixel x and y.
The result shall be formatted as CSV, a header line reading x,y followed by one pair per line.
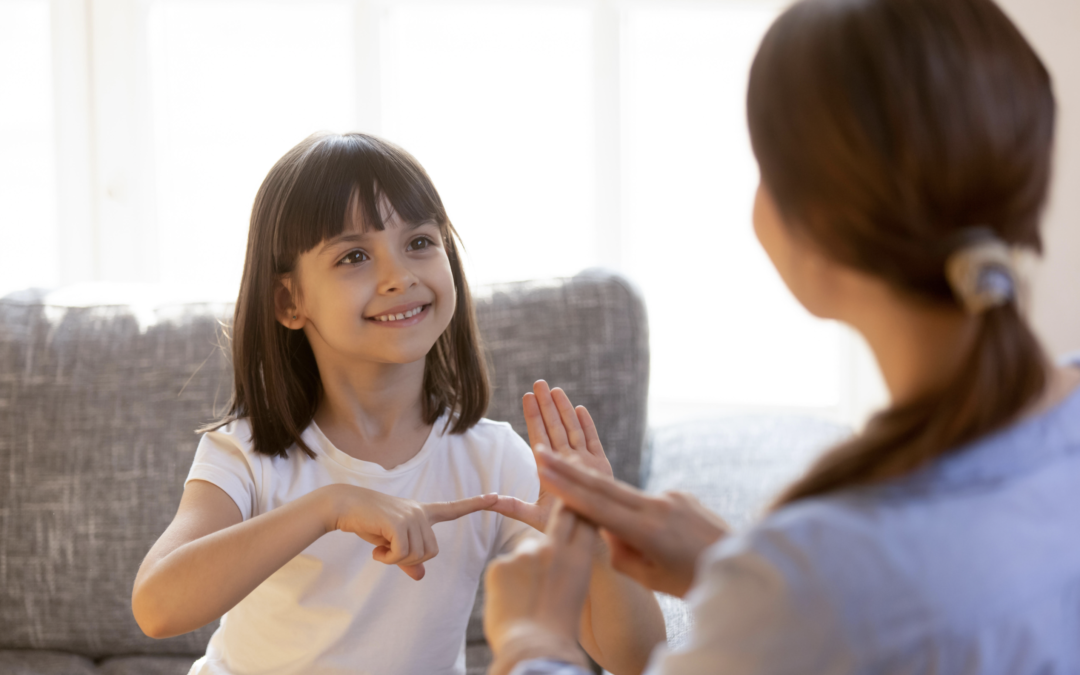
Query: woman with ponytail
x,y
905,150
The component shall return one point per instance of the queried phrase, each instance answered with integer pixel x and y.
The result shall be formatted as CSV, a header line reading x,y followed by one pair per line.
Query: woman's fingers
x,y
576,474
534,421
552,420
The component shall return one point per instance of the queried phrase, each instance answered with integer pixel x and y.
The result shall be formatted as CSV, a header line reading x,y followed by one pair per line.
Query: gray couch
x,y
98,402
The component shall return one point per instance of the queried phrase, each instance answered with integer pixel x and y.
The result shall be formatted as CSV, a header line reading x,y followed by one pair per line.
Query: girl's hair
x,y
303,201
883,129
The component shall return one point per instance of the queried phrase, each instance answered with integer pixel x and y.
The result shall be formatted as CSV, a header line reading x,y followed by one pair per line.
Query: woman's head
x,y
347,232
885,131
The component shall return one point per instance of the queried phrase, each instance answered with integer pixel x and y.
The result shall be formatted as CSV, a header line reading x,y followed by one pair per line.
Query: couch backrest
x,y
98,404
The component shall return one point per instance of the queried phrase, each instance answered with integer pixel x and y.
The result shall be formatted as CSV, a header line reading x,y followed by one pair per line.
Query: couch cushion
x,y
588,335
146,665
32,662
97,409
735,465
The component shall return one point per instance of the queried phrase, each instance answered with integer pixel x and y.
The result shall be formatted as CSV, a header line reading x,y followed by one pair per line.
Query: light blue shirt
x,y
971,565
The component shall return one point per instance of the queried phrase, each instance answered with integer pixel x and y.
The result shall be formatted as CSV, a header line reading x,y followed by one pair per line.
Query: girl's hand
x,y
534,596
399,528
555,424
654,540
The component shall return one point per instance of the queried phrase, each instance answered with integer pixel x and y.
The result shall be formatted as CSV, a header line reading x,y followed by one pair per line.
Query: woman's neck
x,y
918,345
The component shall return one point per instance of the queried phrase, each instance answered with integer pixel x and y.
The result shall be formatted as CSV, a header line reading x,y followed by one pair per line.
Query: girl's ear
x,y
285,306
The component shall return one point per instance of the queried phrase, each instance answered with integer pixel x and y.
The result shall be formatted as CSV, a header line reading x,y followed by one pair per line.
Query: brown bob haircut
x,y
883,130
304,201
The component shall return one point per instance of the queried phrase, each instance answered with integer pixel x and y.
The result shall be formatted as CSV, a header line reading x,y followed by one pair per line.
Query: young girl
x,y
354,442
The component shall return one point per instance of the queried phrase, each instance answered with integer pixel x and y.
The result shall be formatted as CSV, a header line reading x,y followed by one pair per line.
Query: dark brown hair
x,y
883,129
304,201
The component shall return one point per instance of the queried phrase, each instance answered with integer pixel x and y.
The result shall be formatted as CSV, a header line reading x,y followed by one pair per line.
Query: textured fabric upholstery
x,y
97,409
33,662
735,466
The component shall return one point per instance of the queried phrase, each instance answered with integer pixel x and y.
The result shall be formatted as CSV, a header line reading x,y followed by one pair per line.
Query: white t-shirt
x,y
332,609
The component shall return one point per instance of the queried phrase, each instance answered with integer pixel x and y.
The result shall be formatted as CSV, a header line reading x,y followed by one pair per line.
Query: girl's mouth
x,y
399,319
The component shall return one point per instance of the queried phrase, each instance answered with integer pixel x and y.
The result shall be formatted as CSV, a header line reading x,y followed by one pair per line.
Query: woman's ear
x,y
286,309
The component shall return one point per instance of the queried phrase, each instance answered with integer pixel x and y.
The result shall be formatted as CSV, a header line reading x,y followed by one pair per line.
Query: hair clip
x,y
981,271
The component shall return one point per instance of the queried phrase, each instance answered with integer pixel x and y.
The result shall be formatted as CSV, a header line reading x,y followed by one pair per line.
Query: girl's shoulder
x,y
234,434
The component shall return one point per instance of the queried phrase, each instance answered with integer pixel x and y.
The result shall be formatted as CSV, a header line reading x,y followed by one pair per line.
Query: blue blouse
x,y
971,565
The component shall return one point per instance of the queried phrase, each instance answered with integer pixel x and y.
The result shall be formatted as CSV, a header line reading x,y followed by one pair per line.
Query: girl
x,y
354,442
905,152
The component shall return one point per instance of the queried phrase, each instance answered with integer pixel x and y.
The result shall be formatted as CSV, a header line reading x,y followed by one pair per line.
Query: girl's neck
x,y
373,411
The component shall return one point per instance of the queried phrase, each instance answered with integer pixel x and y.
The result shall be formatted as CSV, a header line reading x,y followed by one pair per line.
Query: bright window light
x,y
236,83
28,244
495,100
724,330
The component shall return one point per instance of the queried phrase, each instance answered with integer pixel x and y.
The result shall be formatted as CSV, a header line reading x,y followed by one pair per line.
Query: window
x,y
561,135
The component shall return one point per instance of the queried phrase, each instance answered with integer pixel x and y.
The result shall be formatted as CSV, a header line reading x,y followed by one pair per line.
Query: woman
x,y
905,151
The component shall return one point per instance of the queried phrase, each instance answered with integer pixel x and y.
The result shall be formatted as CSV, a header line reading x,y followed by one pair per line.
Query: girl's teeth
x,y
399,317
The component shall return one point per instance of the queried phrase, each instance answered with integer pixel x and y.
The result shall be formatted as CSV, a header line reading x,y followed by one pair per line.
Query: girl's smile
x,y
402,315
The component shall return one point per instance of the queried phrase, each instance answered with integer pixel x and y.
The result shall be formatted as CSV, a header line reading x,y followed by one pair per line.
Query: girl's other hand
x,y
534,596
399,528
655,540
554,423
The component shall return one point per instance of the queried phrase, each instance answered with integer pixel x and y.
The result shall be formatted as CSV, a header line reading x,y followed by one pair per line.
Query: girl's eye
x,y
353,257
420,243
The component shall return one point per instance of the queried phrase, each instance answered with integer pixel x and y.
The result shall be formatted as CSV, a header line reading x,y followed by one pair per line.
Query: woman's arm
x,y
209,559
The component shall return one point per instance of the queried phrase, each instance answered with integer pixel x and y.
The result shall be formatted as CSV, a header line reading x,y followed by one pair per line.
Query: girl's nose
x,y
395,276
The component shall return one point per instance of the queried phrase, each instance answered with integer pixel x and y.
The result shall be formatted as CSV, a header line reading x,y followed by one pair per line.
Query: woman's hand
x,y
555,424
535,595
655,540
399,528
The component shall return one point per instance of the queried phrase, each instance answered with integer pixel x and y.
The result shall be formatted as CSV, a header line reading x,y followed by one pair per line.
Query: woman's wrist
x,y
528,640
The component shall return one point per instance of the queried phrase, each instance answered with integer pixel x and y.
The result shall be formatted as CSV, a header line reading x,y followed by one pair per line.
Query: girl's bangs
x,y
337,169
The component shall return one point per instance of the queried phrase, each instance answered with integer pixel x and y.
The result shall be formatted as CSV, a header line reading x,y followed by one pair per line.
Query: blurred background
x,y
561,134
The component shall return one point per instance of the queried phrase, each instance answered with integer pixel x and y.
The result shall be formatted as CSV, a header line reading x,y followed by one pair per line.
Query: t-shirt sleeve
x,y
518,479
225,459
758,609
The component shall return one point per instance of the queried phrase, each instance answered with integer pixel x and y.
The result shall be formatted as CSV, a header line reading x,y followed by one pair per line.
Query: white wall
x,y
1053,26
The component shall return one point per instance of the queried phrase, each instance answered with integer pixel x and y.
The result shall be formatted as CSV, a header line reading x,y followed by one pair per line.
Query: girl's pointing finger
x,y
438,512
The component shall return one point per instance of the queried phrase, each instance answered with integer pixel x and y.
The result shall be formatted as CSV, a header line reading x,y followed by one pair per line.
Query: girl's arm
x,y
209,559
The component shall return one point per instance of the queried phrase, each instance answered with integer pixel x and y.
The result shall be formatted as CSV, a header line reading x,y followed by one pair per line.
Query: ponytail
x,y
1003,374
886,131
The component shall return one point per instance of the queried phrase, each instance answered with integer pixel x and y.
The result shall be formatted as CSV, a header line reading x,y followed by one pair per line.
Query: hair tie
x,y
981,271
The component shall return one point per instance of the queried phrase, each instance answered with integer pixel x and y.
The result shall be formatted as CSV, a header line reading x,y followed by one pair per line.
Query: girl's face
x,y
381,296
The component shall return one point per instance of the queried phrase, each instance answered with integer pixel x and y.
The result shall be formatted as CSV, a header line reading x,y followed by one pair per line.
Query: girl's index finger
x,y
439,512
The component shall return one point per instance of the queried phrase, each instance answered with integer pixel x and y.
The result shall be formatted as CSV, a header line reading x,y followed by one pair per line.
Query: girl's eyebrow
x,y
359,236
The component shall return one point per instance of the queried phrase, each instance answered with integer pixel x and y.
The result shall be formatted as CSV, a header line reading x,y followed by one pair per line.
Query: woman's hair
x,y
305,200
885,129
